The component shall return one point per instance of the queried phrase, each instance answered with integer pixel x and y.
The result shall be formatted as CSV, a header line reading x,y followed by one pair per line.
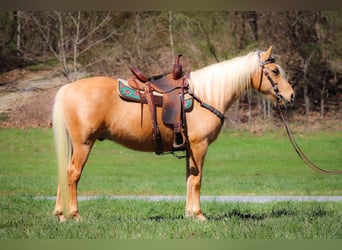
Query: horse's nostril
x,y
292,97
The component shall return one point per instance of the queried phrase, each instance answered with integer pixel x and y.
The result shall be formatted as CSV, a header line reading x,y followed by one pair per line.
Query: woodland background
x,y
307,44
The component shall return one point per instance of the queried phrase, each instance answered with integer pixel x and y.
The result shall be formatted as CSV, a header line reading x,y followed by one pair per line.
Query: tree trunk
x,y
252,17
306,88
307,104
61,43
323,94
76,42
18,33
249,108
171,37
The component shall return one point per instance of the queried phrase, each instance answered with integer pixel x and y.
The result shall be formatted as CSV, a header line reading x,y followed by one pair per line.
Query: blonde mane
x,y
221,83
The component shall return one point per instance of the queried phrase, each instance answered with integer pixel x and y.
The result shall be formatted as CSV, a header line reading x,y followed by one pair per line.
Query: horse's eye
x,y
275,71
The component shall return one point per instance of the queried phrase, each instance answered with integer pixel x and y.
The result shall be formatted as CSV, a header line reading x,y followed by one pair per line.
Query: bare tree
x,y
75,37
88,34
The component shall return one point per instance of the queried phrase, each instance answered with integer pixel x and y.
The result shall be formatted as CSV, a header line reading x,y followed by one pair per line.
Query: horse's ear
x,y
267,54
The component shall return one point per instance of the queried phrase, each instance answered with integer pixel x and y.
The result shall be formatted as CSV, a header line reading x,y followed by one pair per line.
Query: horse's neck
x,y
219,90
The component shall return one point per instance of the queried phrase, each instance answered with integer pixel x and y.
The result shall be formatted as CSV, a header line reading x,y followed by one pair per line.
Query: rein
x,y
299,151
288,131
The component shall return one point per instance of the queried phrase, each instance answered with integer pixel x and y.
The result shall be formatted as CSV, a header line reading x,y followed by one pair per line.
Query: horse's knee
x,y
194,171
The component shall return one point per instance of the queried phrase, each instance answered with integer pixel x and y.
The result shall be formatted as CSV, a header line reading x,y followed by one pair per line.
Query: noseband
x,y
271,59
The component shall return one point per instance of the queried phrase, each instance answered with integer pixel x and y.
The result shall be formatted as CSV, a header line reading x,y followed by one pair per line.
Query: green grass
x,y
122,219
237,163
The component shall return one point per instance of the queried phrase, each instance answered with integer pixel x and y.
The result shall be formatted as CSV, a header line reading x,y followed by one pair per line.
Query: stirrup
x,y
179,140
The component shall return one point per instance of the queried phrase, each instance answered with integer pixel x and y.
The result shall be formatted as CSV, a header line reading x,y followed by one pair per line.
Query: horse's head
x,y
270,79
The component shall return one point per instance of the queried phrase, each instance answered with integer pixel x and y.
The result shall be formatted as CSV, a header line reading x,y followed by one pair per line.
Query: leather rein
x,y
289,134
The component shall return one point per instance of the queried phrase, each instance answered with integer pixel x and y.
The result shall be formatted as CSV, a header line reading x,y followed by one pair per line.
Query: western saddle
x,y
172,87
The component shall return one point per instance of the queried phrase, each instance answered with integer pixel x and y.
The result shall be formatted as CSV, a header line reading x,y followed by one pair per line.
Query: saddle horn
x,y
177,69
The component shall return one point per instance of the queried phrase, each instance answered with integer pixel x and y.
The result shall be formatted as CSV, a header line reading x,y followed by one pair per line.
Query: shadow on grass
x,y
274,213
168,217
235,213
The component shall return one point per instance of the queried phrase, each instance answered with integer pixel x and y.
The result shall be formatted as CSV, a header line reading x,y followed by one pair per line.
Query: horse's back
x,y
91,93
91,84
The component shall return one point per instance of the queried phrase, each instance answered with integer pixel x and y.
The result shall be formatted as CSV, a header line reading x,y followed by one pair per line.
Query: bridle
x,y
271,59
289,134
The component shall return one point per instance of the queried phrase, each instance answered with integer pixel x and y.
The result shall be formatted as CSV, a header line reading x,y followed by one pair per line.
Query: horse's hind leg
x,y
58,211
78,160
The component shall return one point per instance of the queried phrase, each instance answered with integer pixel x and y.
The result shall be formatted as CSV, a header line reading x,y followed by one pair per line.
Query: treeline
x,y
307,44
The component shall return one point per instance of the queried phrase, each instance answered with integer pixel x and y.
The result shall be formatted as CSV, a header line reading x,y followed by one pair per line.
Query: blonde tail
x,y
63,151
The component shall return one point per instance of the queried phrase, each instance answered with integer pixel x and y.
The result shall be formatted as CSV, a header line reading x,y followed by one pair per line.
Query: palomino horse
x,y
91,109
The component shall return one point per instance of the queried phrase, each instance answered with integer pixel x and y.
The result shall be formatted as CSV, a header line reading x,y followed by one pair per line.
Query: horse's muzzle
x,y
283,100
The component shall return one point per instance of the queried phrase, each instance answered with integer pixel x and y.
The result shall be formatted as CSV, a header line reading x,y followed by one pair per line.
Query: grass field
x,y
136,219
237,164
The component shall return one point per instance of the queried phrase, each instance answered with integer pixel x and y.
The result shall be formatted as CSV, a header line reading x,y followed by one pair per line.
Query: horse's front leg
x,y
193,180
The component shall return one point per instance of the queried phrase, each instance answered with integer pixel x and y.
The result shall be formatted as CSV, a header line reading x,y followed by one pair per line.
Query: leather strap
x,y
155,129
207,106
299,151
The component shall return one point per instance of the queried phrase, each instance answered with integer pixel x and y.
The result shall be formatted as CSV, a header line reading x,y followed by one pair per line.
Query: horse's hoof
x,y
60,216
77,218
199,217
62,219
